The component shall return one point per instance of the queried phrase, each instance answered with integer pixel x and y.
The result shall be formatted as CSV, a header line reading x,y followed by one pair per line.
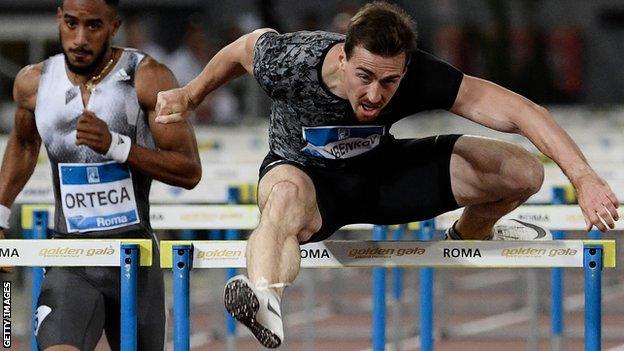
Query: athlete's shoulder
x,y
429,83
151,78
311,37
301,47
421,59
27,83
150,65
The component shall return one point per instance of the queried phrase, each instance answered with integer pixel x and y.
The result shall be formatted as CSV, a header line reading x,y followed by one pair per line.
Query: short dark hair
x,y
112,3
383,29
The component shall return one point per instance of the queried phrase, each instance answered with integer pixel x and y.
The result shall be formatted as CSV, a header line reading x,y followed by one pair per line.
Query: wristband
x,y
119,148
5,213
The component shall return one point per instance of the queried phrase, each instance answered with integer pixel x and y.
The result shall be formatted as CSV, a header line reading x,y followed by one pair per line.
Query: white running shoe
x,y
511,229
257,308
514,229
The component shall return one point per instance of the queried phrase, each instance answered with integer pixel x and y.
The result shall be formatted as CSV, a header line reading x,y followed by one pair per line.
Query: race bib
x,y
97,196
341,142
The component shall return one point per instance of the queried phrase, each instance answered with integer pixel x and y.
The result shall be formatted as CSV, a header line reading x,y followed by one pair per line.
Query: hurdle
x,y
128,254
590,255
566,217
558,218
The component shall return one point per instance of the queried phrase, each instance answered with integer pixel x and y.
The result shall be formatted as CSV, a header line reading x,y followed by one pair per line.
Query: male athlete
x,y
333,162
93,108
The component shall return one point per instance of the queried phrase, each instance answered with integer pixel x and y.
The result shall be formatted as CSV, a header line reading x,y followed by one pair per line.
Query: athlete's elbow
x,y
192,177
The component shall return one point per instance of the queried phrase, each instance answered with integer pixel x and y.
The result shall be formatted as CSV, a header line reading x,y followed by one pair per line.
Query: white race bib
x,y
340,142
97,196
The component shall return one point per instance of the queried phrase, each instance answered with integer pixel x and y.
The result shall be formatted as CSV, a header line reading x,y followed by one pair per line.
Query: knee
x,y
284,196
528,175
285,208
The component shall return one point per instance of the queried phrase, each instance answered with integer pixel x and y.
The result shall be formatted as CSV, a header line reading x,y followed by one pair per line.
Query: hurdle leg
x,y
557,297
593,302
557,287
230,322
181,269
129,273
379,298
397,294
426,292
39,231
231,234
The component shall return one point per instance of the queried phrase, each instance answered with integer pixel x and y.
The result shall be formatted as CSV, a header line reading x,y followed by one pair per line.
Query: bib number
x,y
97,196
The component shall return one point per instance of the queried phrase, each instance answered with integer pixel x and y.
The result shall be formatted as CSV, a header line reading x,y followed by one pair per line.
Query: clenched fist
x,y
173,105
93,132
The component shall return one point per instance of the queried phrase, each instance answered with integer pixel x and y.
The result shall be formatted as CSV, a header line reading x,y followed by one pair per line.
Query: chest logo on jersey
x,y
97,196
342,141
70,94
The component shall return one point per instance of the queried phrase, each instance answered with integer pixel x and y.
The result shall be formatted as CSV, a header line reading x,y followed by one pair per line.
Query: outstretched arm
x,y
175,160
498,108
230,62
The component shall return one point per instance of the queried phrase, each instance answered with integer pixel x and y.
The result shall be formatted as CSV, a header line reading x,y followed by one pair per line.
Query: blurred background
x,y
564,54
552,51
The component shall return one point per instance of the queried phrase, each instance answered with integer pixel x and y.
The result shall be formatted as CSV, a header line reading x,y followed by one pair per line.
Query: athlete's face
x,y
370,81
86,28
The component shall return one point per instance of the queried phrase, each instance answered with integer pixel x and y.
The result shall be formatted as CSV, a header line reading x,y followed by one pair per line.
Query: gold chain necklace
x,y
93,82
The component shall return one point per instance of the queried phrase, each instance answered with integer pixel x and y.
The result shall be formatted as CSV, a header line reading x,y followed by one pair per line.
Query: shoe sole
x,y
242,304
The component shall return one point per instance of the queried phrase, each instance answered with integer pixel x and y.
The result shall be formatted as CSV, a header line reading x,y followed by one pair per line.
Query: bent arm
x,y
497,108
176,159
230,62
22,150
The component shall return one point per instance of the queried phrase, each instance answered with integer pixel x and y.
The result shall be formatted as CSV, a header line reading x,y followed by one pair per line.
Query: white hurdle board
x,y
447,253
69,252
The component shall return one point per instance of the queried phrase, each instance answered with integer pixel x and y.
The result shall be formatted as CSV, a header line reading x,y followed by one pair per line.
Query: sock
x,y
453,234
263,284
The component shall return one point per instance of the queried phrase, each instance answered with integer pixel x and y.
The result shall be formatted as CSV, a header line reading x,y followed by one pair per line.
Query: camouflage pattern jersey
x,y
312,126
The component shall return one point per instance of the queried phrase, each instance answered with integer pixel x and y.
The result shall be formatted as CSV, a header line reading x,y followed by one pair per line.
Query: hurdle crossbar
x,y
450,254
70,252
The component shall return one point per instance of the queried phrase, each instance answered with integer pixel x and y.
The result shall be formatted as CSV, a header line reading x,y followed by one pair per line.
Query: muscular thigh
x,y
285,172
304,205
483,168
70,310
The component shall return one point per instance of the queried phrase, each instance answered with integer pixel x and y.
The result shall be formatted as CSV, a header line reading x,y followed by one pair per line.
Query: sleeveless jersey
x,y
311,125
94,196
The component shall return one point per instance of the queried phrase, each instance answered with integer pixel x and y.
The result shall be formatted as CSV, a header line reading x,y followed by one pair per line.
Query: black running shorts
x,y
407,180
77,303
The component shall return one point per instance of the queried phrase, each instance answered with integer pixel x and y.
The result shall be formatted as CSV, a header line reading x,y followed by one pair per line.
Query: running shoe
x,y
257,308
514,229
511,229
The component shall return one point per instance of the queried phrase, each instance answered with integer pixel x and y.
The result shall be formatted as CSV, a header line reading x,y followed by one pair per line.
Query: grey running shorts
x,y
77,303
